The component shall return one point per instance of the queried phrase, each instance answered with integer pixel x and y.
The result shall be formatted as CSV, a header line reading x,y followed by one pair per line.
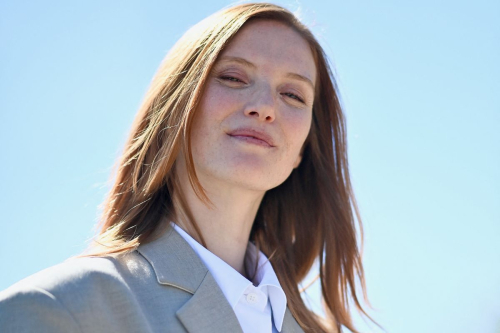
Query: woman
x,y
233,181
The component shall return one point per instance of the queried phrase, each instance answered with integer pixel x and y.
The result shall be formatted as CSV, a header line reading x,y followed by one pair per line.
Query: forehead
x,y
272,45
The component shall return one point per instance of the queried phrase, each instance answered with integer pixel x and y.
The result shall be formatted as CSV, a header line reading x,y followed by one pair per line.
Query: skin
x,y
263,80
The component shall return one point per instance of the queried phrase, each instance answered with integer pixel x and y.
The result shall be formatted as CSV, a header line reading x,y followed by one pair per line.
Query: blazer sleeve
x,y
33,309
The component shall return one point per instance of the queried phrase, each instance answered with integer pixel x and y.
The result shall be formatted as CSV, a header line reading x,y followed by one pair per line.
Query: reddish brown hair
x,y
312,215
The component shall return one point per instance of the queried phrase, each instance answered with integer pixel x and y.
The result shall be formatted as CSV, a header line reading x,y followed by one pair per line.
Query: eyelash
x,y
230,78
288,94
295,97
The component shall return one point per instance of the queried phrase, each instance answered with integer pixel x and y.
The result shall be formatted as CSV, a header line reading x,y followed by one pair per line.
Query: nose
x,y
262,106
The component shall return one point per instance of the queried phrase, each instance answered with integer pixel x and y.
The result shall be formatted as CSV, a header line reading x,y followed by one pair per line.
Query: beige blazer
x,y
163,286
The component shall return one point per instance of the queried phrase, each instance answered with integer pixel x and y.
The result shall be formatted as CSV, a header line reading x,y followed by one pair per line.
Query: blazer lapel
x,y
208,310
176,264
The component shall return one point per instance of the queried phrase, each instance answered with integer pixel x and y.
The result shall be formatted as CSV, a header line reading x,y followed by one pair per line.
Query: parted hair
x,y
311,216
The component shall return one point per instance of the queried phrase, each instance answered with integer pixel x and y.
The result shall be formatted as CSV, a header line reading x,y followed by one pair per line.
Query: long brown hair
x,y
312,215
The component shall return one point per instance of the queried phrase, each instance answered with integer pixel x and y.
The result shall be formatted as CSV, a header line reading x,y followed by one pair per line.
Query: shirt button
x,y
252,298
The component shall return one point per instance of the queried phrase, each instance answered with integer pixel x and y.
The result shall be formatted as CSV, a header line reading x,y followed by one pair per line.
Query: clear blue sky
x,y
420,84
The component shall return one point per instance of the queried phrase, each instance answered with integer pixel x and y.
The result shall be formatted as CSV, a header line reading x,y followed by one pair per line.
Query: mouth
x,y
252,136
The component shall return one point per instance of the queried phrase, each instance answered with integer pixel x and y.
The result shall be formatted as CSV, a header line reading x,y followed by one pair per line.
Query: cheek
x,y
217,102
208,117
297,129
215,107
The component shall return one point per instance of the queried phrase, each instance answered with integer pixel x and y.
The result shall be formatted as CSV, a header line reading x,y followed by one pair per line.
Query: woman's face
x,y
256,110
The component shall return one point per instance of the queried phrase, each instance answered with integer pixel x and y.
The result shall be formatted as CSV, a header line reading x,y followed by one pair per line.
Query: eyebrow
x,y
247,63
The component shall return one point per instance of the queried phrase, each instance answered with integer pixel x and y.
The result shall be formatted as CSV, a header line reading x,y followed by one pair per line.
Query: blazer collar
x,y
176,264
174,261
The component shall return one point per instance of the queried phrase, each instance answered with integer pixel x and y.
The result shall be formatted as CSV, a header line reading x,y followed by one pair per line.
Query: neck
x,y
226,225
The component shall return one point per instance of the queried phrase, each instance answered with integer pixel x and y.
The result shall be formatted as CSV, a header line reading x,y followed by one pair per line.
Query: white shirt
x,y
258,308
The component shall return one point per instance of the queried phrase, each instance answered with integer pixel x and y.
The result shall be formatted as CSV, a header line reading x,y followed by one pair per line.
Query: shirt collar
x,y
266,276
233,284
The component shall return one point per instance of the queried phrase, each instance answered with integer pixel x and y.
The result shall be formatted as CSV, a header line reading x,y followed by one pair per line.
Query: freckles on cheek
x,y
223,100
299,126
298,133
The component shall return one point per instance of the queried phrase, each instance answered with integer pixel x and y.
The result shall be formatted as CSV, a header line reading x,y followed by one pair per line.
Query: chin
x,y
257,184
254,178
249,171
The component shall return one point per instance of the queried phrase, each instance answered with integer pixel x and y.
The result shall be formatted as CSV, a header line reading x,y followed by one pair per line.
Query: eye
x,y
230,78
293,96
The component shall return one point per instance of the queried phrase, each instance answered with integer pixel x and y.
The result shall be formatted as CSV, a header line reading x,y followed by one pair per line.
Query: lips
x,y
252,135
